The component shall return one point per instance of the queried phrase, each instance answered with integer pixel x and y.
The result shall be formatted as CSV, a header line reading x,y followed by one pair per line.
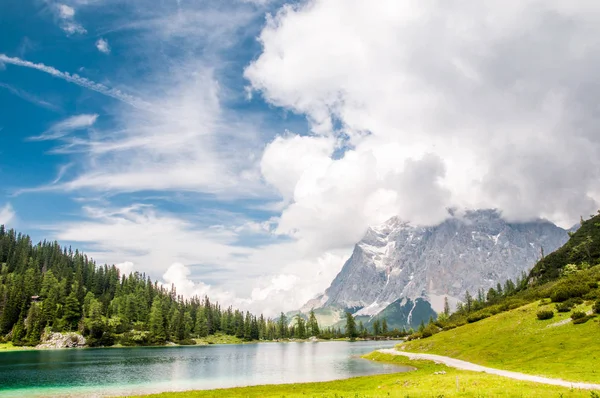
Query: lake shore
x,y
205,341
427,380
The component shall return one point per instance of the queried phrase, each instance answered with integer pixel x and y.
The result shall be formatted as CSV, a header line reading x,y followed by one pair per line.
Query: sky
x,y
240,148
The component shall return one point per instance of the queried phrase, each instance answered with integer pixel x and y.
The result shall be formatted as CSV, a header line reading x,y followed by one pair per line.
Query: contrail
x,y
80,81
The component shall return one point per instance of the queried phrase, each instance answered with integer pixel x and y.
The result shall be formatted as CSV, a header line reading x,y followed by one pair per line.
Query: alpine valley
x,y
404,272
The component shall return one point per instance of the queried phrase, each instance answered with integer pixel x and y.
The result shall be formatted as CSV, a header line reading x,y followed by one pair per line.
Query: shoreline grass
x,y
9,347
427,380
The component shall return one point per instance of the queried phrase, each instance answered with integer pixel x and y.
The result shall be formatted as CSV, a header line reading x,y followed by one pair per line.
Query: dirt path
x,y
458,364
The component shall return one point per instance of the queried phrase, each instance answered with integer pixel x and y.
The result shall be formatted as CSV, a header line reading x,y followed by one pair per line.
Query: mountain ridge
x,y
466,252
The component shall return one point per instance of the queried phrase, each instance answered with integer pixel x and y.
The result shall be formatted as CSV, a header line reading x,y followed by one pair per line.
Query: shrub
x,y
563,292
593,285
584,319
564,307
578,315
545,314
597,307
187,342
478,316
449,327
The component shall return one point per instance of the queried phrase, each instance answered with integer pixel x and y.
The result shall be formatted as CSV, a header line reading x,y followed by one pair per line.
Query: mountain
x,y
397,261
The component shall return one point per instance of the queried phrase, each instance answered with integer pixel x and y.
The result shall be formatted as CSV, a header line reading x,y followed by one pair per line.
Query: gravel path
x,y
458,364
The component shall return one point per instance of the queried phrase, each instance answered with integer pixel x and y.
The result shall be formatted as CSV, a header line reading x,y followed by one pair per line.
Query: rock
x,y
467,252
441,372
62,340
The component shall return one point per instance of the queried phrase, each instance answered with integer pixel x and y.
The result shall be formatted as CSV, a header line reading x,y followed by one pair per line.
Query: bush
x,y
584,319
597,307
449,327
569,304
478,316
578,315
593,285
545,314
187,342
414,336
564,291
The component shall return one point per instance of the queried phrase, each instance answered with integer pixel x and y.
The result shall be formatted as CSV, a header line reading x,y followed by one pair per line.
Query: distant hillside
x,y
544,324
583,247
516,340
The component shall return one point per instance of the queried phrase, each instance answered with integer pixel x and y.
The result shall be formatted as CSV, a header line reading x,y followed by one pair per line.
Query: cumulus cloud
x,y
66,17
7,214
414,107
436,104
284,275
103,46
126,267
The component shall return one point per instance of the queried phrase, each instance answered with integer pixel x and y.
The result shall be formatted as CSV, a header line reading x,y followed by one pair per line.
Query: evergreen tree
x,y
300,327
376,328
313,325
468,302
384,327
351,327
72,311
446,306
157,322
283,325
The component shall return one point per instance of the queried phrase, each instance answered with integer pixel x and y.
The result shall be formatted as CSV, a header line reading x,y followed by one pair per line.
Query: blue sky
x,y
240,148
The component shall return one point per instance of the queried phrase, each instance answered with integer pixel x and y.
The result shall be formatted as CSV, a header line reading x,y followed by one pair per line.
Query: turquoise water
x,y
122,371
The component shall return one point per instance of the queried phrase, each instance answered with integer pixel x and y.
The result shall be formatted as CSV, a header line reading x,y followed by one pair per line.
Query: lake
x,y
121,371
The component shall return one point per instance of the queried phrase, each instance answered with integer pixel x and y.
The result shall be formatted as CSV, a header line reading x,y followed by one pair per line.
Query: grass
x,y
220,339
516,340
4,347
421,382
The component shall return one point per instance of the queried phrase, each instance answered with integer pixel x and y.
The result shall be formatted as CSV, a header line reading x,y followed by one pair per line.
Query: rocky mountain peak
x,y
468,251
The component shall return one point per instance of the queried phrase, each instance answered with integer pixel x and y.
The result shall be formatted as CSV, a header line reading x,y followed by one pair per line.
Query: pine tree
x,y
468,302
300,327
384,327
350,327
446,306
282,326
157,322
376,328
313,325
72,311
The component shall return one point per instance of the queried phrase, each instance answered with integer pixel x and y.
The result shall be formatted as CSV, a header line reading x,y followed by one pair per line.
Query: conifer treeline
x,y
49,288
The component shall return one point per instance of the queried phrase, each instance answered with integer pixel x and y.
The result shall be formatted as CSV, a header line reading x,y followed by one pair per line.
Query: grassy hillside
x,y
423,382
516,340
583,248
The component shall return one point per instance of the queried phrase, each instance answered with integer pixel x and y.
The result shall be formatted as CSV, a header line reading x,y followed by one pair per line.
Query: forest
x,y
47,288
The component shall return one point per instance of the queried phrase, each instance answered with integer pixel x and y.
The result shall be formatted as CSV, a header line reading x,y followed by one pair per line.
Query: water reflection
x,y
115,371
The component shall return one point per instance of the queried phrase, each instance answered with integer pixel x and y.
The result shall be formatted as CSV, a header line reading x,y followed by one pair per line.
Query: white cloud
x,y
66,17
102,46
65,12
64,127
437,111
284,275
413,106
125,268
7,214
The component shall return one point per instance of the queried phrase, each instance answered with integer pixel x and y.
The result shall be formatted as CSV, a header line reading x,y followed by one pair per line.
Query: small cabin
x,y
35,299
